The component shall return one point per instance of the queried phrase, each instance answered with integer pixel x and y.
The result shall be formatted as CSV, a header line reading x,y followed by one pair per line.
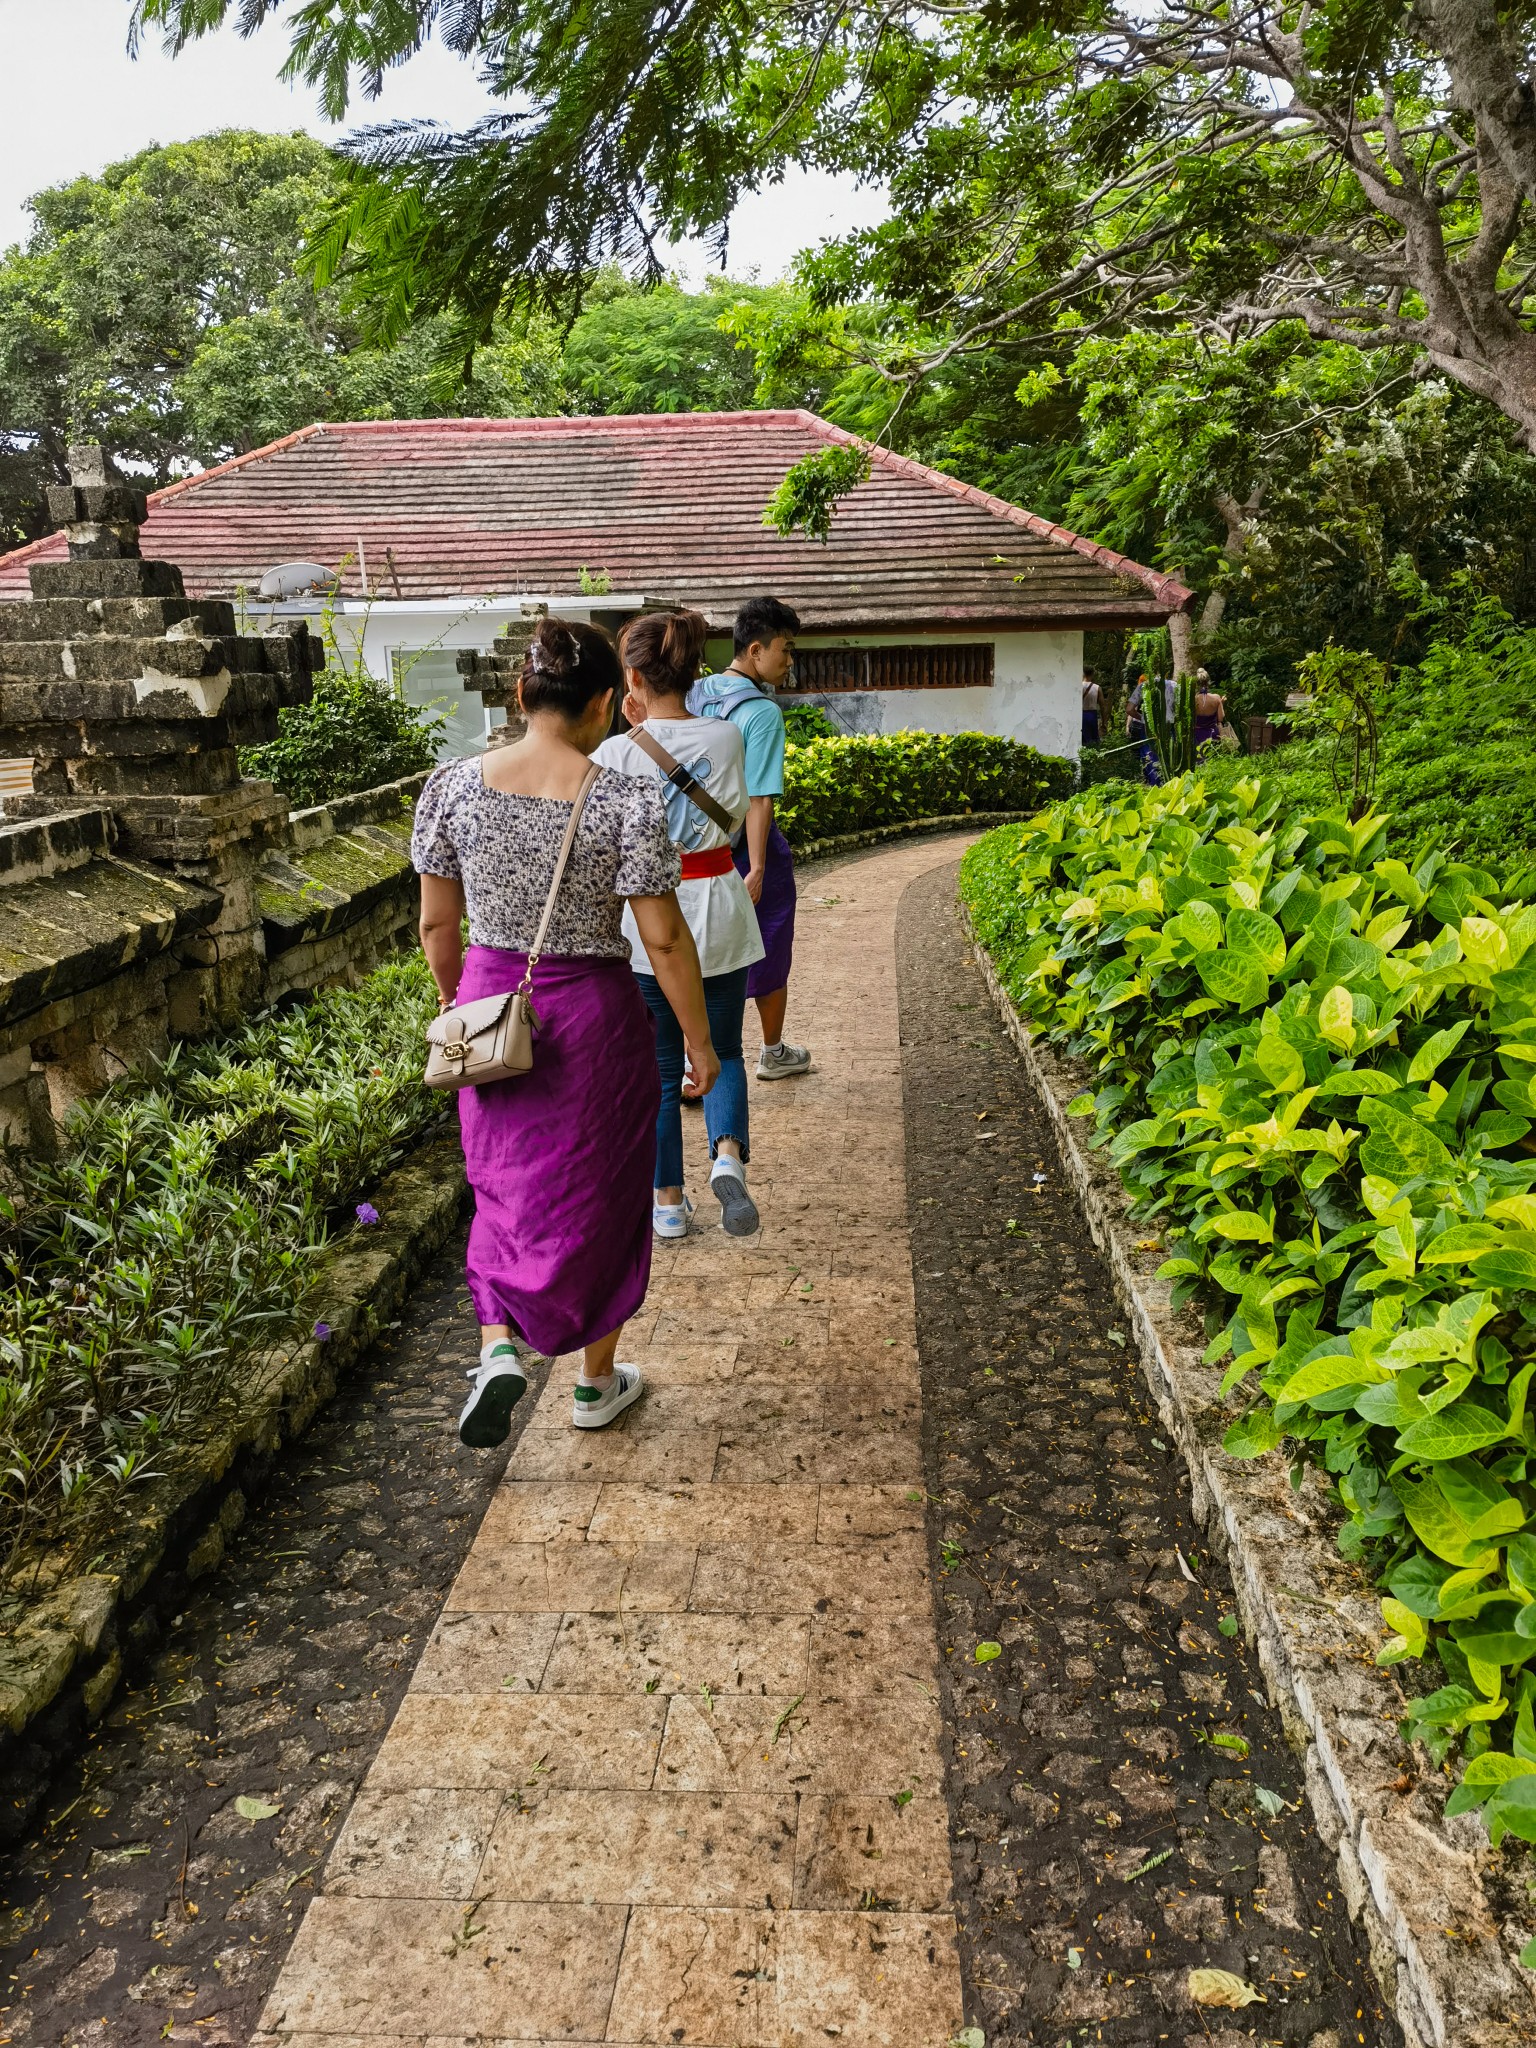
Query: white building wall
x,y
1036,693
1035,696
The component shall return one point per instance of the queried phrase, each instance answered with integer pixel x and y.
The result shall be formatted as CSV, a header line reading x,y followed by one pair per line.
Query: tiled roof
x,y
669,505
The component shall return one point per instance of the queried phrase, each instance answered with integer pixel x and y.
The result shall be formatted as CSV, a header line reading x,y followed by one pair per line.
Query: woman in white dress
x,y
700,765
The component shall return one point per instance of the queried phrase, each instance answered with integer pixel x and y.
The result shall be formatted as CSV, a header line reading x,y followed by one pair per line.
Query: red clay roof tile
x,y
668,505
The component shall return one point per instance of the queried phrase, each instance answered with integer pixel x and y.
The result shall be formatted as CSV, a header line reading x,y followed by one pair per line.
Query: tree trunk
x,y
1181,632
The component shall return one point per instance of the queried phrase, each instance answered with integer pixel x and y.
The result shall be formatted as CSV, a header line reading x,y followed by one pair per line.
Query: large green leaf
x,y
1436,1048
1458,1430
1326,1375
1199,925
1506,1268
1235,978
1462,1243
1399,1148
1250,931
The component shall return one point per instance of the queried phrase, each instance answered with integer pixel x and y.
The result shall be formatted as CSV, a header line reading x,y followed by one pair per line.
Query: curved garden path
x,y
670,1768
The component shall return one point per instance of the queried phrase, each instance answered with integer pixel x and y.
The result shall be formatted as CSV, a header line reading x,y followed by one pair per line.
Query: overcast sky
x,y
73,103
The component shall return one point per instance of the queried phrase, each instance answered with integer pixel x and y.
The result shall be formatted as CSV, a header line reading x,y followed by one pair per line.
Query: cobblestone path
x,y
1124,1806
669,1770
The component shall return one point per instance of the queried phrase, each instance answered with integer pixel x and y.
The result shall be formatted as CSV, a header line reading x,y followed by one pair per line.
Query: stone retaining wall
x,y
148,892
1423,1886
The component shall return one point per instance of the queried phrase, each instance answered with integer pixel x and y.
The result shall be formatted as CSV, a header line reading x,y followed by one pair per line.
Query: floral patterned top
x,y
503,849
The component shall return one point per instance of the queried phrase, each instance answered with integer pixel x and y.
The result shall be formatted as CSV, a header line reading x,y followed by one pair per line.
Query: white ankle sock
x,y
775,1045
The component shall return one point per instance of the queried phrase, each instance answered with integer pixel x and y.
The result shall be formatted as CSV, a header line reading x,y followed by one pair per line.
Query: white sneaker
x,y
728,1185
592,1410
670,1221
499,1383
783,1061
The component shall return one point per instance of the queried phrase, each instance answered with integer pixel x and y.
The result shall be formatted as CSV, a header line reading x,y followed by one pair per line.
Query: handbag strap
x,y
684,779
554,888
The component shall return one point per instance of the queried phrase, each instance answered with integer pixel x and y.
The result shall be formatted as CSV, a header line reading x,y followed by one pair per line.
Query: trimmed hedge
x,y
1317,1069
851,784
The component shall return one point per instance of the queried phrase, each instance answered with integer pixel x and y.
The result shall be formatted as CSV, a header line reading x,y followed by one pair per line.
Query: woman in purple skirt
x,y
560,1159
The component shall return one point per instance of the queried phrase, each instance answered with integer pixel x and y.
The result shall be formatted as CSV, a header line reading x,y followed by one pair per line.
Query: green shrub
x,y
1456,766
1317,1067
853,784
148,1270
806,722
353,734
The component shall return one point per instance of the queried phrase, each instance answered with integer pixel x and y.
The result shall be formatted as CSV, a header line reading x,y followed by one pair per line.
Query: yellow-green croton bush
x,y
1317,1067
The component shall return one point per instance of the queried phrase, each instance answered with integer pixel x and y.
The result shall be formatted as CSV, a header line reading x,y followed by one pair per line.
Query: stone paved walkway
x,y
669,1770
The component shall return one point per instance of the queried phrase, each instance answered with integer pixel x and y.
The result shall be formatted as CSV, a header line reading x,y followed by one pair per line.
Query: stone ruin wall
x,y
148,892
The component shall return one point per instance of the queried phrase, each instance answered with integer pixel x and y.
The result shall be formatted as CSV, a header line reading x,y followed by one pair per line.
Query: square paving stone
x,y
412,1845
538,1511
570,1578
851,1511
521,1742
486,1653
694,1515
644,1848
779,1578
402,1966
670,1653
782,1980
892,1979
883,1745
859,1853
856,1654
624,1450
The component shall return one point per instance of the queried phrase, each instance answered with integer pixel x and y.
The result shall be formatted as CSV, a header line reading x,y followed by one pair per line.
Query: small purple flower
x,y
322,1331
367,1214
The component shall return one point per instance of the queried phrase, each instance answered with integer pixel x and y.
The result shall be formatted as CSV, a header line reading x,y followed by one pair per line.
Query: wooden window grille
x,y
921,666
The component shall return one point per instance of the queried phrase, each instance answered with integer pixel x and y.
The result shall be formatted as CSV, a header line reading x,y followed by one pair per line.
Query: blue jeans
x,y
725,1106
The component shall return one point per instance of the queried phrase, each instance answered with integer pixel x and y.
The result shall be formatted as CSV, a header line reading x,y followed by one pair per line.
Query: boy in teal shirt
x,y
764,641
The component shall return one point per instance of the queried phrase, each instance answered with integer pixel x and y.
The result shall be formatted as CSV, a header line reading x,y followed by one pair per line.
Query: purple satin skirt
x,y
775,914
561,1159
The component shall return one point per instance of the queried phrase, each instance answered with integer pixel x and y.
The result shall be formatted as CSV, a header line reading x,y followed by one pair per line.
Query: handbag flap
x,y
469,1020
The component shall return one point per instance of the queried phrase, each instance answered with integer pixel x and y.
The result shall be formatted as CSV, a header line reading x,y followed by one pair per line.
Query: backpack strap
x,y
683,779
722,707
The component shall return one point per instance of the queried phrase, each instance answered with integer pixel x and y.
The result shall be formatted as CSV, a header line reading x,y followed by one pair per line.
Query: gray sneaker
x,y
783,1062
728,1185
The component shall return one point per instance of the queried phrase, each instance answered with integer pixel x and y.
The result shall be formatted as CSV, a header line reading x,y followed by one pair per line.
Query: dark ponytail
x,y
665,648
568,666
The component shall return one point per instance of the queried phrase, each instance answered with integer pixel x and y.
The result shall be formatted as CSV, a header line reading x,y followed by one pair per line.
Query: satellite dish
x,y
297,579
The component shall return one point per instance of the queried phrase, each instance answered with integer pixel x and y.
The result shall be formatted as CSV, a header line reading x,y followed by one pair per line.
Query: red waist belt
x,y
716,860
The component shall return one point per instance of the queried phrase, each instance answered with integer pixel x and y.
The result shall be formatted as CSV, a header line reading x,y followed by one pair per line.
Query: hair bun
x,y
555,651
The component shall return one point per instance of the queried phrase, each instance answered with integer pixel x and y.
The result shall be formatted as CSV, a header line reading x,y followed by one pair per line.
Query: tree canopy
x,y
1365,169
163,309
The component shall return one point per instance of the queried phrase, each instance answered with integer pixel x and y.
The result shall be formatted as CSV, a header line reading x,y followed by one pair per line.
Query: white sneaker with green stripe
x,y
595,1407
499,1383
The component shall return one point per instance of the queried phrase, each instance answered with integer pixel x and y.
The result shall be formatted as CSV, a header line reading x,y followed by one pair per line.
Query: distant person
x,y
1136,732
560,1158
1092,705
764,640
702,778
1210,712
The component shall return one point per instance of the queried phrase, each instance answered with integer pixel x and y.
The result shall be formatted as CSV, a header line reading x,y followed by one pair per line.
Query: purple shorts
x,y
775,915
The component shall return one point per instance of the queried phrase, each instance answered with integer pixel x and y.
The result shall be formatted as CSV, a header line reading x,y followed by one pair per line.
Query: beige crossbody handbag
x,y
471,1044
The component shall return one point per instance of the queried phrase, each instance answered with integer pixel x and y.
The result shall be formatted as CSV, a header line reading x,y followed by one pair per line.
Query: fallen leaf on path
x,y
1220,1987
255,1809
